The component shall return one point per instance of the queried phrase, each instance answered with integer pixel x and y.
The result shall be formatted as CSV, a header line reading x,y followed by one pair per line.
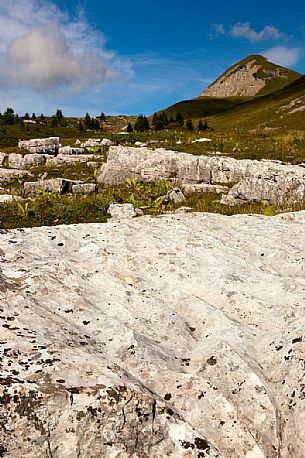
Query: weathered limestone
x,y
26,161
84,188
181,335
123,211
204,188
273,188
8,198
175,196
67,150
9,174
53,185
69,159
91,142
41,145
259,180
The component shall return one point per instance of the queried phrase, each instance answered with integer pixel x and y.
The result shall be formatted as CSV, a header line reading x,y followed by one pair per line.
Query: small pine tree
x,y
26,116
155,119
179,119
189,125
142,124
33,116
129,128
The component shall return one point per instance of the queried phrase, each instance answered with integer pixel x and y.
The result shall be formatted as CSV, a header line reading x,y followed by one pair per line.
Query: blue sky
x,y
134,56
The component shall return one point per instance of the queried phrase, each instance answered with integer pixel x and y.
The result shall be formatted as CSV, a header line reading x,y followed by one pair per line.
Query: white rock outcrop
x,y
179,336
41,145
257,180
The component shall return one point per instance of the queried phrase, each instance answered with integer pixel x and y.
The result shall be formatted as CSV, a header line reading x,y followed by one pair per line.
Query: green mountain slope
x,y
283,108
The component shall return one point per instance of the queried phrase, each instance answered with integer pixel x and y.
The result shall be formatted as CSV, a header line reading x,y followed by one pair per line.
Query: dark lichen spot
x,y
187,445
297,339
201,444
167,397
80,415
212,361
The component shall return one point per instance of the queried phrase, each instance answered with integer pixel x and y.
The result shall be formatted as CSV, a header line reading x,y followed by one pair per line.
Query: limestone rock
x,y
84,188
91,142
123,211
257,180
175,196
8,198
9,174
41,145
180,336
273,188
53,185
67,150
69,159
204,188
26,161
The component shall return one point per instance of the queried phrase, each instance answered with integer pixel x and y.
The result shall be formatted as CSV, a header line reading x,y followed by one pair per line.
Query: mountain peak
x,y
251,76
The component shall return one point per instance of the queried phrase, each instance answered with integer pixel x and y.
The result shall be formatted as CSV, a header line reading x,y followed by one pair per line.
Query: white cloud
x,y
244,30
284,56
42,48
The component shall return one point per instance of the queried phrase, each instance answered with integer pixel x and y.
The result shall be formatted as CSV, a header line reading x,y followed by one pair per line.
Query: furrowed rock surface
x,y
257,180
41,145
178,336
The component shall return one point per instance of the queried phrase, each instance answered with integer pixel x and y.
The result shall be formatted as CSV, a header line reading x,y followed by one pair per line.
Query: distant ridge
x,y
252,76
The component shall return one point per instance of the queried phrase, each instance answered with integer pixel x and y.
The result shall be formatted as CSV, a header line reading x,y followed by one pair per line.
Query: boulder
x,y
272,188
53,185
8,198
91,142
172,336
69,159
41,145
26,161
67,150
84,188
175,196
9,174
123,211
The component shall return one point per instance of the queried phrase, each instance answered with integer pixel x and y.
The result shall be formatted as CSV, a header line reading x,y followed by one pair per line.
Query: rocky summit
x,y
180,336
252,76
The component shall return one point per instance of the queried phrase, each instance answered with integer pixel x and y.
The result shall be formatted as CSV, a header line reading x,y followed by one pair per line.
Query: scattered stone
x,y
26,161
93,165
53,185
9,174
202,140
67,150
84,188
8,198
175,196
78,142
69,159
123,211
106,142
41,145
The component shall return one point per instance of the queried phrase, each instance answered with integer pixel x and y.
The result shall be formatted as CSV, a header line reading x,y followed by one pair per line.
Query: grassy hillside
x,y
283,108
202,107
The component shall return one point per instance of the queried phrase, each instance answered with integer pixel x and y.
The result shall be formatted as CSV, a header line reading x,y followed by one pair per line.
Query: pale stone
x,y
69,159
179,336
123,211
41,145
19,161
202,140
67,150
8,198
257,180
9,174
204,188
52,185
84,188
175,196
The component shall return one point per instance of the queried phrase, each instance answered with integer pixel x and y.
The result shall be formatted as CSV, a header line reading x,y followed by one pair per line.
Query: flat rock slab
x,y
180,336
